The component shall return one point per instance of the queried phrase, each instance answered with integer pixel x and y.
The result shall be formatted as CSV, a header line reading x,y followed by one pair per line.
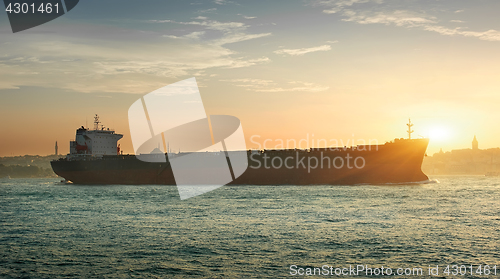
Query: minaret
x,y
57,149
409,128
475,144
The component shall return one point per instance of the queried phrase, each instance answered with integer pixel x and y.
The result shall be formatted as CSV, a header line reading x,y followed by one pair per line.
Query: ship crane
x,y
410,131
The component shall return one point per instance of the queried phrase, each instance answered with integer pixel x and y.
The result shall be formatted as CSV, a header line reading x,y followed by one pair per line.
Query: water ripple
x,y
49,230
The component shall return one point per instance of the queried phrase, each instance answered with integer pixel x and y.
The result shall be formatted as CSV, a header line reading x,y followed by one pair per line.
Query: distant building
x,y
475,144
464,161
57,149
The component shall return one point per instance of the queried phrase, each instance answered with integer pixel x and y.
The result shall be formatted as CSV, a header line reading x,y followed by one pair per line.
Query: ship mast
x,y
409,128
96,122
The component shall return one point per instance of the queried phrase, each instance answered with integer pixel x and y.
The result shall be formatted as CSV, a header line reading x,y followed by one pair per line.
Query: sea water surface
x,y
51,230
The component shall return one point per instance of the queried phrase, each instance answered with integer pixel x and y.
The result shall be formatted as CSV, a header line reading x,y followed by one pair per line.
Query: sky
x,y
288,69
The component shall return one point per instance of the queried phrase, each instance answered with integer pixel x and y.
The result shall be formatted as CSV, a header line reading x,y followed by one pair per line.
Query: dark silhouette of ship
x,y
95,158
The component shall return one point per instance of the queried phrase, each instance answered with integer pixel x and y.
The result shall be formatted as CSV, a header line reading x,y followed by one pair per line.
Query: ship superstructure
x,y
94,143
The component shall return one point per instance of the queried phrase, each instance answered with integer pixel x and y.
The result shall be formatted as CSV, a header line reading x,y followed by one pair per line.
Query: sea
x,y
446,228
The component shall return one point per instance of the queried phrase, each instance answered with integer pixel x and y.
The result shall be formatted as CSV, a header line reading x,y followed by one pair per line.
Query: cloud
x,y
239,37
247,63
208,24
104,60
302,51
207,11
339,5
250,82
490,35
233,32
263,85
7,86
247,17
222,2
350,11
407,19
193,35
110,59
398,18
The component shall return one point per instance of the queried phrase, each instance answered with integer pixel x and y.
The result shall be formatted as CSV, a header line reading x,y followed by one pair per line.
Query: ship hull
x,y
395,162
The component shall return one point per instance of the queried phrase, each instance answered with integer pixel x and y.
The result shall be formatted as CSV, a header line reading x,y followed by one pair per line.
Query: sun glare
x,y
439,134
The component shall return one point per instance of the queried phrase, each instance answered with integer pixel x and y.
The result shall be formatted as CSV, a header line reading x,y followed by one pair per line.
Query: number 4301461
x,y
25,8
469,269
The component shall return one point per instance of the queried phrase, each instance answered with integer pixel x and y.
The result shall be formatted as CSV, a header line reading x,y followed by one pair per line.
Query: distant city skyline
x,y
299,143
286,68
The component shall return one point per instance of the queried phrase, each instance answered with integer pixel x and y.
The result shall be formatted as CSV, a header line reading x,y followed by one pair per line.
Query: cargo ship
x,y
95,158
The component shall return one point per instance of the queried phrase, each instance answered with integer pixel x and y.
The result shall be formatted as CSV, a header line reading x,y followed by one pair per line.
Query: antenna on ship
x,y
409,128
96,122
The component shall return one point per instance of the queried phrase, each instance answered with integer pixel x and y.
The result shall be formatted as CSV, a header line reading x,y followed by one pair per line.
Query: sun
x,y
439,133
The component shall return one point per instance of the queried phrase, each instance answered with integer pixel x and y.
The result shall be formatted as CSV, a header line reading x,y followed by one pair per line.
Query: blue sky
x,y
285,68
